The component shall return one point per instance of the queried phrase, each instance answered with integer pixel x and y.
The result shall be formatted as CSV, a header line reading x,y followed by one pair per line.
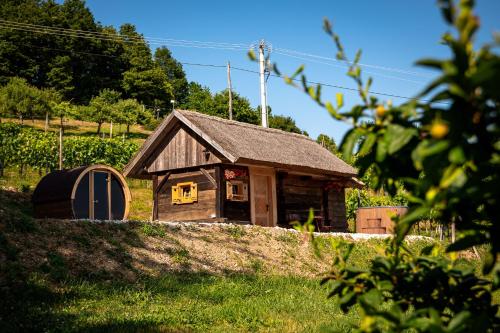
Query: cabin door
x,y
100,195
263,196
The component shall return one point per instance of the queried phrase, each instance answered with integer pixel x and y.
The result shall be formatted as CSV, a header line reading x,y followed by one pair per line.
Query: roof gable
x,y
181,149
244,143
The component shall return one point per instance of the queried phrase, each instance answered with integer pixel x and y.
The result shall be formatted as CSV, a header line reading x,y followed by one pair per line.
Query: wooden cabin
x,y
212,169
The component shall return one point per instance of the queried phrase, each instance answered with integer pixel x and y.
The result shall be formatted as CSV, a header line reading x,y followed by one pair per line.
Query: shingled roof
x,y
246,143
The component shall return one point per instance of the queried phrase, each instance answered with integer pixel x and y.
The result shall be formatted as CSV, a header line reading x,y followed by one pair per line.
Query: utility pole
x,y
230,90
263,97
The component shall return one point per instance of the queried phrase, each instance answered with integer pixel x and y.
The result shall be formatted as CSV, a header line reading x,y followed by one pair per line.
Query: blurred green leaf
x,y
397,137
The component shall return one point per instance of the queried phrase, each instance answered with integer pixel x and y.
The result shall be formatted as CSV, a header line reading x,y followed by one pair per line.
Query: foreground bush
x,y
445,153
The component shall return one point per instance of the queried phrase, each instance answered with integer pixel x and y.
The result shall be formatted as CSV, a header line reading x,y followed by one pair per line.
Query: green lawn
x,y
177,302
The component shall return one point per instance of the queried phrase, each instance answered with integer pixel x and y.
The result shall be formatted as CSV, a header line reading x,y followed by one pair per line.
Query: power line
x,y
104,36
333,85
390,69
345,67
95,35
140,38
248,71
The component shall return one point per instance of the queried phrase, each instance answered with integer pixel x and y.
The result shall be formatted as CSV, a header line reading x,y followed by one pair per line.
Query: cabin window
x,y
184,193
236,190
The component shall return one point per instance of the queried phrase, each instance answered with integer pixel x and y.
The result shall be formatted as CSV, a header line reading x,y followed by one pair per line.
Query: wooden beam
x,y
210,178
135,163
155,198
219,192
292,168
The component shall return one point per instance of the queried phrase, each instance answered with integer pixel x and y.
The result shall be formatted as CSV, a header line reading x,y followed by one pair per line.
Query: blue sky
x,y
392,34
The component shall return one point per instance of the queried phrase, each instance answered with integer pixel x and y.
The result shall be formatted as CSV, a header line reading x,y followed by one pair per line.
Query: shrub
x,y
444,152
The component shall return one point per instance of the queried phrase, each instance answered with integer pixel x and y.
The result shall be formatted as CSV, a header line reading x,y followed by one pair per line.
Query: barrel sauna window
x,y
96,192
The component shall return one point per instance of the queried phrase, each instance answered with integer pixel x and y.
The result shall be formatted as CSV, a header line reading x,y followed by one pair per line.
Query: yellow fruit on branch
x,y
380,111
439,130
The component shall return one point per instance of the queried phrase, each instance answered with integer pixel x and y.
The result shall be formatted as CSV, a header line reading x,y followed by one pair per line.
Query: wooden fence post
x,y
60,148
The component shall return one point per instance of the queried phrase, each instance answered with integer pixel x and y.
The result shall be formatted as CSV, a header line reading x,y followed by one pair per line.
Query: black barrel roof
x,y
56,186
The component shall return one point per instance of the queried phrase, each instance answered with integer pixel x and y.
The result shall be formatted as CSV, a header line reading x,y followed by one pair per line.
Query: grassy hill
x,y
60,276
138,276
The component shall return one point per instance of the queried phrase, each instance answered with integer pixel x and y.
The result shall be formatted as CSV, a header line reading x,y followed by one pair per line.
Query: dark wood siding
x,y
182,149
296,195
59,210
336,209
203,209
236,210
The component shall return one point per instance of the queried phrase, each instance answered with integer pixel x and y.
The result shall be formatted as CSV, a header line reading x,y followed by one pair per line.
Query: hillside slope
x,y
139,276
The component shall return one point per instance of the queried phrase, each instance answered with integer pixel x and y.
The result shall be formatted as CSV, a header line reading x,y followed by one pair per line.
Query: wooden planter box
x,y
377,220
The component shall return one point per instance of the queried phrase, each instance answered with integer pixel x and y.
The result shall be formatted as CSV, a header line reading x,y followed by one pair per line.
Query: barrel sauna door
x,y
99,196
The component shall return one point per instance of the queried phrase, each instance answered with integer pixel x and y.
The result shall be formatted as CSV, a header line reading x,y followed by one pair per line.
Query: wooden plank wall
x,y
203,209
296,195
236,210
377,220
181,149
337,209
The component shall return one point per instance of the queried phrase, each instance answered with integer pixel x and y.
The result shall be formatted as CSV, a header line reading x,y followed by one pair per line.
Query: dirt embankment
x,y
83,249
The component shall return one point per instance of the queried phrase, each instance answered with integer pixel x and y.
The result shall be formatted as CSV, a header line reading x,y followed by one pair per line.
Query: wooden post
x,y
46,121
60,148
453,233
230,91
219,192
111,129
155,198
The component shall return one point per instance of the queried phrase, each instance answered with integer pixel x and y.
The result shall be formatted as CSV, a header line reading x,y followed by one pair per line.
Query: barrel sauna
x,y
377,220
95,192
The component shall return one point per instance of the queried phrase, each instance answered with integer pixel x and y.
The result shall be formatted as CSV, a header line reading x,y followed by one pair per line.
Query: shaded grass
x,y
178,302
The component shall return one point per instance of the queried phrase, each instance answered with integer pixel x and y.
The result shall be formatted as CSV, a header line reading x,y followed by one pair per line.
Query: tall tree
x,y
328,142
60,75
78,67
144,80
175,74
199,99
285,123
242,110
21,100
100,108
